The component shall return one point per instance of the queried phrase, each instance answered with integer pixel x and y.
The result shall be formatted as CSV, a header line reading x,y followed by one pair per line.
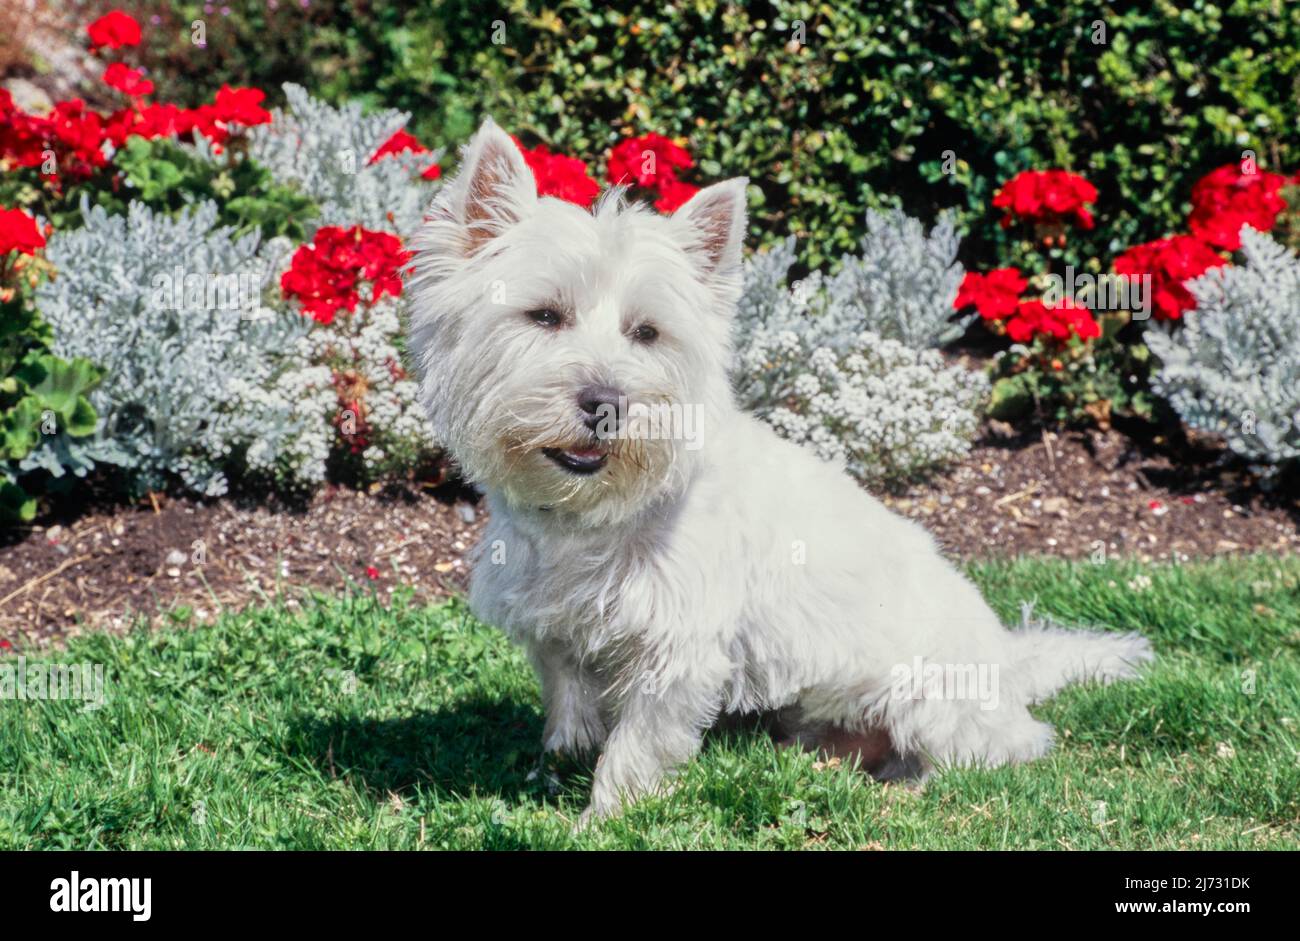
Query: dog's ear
x,y
713,223
493,190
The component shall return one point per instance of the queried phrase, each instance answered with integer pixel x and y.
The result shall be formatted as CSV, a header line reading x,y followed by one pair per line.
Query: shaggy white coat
x,y
741,574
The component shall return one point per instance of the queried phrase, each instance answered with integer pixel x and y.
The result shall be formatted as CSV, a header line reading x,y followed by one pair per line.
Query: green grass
x,y
245,734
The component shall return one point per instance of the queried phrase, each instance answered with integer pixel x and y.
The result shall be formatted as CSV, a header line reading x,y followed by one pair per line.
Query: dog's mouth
x,y
580,461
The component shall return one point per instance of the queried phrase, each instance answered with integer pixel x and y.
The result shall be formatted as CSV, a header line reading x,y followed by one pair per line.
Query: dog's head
x,y
571,358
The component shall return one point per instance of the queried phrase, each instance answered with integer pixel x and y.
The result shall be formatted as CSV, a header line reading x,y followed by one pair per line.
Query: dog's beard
x,y
538,455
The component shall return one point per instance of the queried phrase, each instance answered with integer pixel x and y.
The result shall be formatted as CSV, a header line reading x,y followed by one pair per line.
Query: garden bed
x,y
1051,494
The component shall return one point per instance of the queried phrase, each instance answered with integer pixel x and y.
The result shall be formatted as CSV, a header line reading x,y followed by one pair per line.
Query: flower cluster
x,y
1046,198
1170,262
563,177
652,162
18,232
997,296
1223,202
401,142
884,411
115,30
325,276
66,142
1033,319
1227,198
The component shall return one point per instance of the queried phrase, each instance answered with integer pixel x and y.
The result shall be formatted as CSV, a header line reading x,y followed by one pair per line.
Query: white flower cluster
x,y
1233,368
368,386
884,411
174,361
326,151
806,365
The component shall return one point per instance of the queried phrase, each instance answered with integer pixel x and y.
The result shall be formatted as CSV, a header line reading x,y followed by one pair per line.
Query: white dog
x,y
661,580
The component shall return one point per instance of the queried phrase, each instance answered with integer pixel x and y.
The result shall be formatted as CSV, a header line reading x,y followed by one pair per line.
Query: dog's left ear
x,y
713,225
493,190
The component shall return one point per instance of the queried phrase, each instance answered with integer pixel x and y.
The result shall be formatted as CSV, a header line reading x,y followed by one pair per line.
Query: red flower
x,y
646,161
127,80
1046,196
563,177
1033,318
400,142
1226,199
995,294
18,232
1170,262
372,573
241,106
115,30
325,275
5,645
673,194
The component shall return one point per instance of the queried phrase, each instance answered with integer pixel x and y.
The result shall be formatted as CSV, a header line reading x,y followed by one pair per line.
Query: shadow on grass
x,y
478,746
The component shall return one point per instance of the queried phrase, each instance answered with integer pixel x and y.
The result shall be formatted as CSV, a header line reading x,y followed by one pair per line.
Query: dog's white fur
x,y
675,584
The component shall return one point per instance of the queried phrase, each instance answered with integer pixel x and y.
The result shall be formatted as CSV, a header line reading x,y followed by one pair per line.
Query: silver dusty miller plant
x,y
177,363
1234,366
806,364
903,283
326,151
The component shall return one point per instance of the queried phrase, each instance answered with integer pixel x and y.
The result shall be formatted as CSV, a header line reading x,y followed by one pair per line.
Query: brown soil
x,y
105,567
1046,494
1067,494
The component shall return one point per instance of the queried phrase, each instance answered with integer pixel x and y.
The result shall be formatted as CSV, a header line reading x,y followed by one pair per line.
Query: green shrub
x,y
46,419
862,114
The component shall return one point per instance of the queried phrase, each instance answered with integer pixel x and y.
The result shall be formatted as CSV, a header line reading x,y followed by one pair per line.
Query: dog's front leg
x,y
657,730
573,720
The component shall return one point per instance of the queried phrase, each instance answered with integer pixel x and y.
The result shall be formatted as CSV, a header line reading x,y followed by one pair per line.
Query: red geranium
x,y
71,134
115,30
1046,197
127,80
647,161
1170,262
673,194
1034,318
18,232
400,142
1226,199
563,177
325,275
995,294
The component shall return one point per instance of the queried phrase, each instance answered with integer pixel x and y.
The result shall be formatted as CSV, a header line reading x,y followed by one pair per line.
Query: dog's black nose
x,y
598,402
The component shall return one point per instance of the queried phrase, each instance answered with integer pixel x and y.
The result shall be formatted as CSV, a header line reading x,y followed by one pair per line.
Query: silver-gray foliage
x,y
169,396
1233,368
903,283
807,365
326,151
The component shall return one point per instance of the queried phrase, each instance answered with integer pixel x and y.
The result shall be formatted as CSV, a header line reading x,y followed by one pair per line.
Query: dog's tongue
x,y
586,454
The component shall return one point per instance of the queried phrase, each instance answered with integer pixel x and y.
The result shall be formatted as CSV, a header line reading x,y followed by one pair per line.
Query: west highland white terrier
x,y
663,557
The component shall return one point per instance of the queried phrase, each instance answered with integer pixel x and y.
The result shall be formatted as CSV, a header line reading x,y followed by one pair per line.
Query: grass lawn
x,y
345,725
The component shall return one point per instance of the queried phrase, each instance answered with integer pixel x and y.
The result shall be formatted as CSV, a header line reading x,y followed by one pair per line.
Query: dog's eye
x,y
646,333
546,317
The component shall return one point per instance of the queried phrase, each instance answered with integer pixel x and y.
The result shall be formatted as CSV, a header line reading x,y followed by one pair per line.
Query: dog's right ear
x,y
493,190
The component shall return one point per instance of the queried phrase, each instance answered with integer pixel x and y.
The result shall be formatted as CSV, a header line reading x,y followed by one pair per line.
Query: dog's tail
x,y
1048,657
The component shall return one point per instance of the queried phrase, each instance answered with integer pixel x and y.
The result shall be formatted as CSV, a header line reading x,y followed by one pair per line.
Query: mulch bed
x,y
1058,494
